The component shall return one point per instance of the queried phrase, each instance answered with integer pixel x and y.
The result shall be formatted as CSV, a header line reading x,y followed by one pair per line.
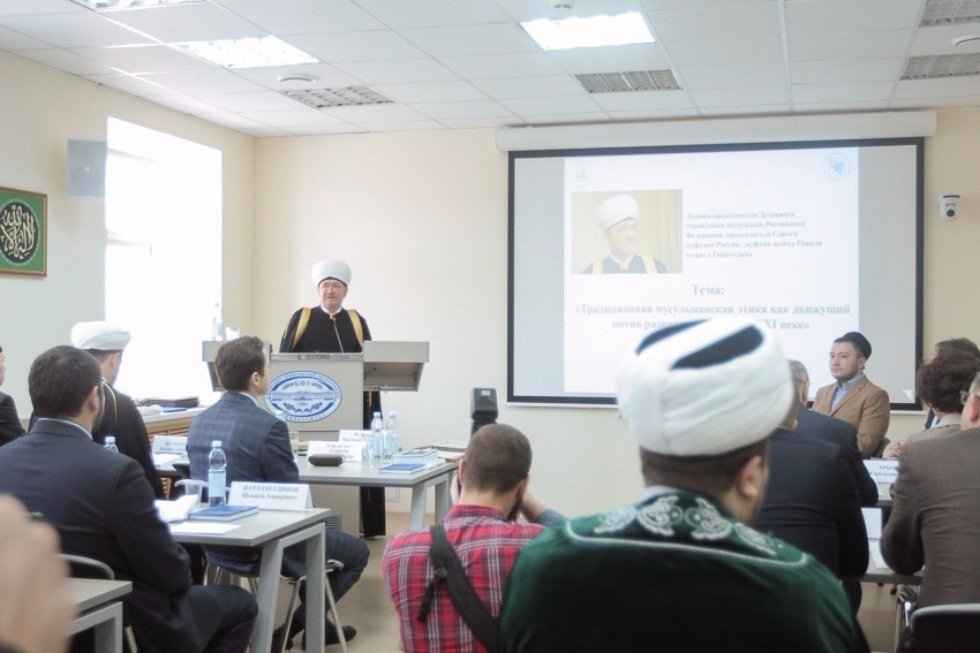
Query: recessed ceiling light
x,y
590,32
253,52
108,5
297,80
967,39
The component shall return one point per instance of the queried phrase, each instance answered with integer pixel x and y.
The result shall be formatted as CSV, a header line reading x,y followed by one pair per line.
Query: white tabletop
x,y
367,474
87,593
256,530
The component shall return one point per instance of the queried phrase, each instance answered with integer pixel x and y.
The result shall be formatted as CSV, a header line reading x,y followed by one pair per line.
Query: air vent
x,y
950,12
947,65
344,96
637,80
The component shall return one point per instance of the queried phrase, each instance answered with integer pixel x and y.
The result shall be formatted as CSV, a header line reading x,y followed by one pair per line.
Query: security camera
x,y
947,206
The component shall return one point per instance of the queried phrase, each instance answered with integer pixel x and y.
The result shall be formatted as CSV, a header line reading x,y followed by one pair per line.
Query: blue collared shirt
x,y
842,389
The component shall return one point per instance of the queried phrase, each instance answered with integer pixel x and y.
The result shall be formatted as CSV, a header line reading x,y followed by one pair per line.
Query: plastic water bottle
x,y
217,462
377,437
391,436
110,443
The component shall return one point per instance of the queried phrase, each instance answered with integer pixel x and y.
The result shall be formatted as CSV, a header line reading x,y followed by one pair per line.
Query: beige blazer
x,y
865,406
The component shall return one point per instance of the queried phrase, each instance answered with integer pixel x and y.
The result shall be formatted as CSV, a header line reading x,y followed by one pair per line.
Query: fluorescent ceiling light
x,y
253,52
591,32
103,5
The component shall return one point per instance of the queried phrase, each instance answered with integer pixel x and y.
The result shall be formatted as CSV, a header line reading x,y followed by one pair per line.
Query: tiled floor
x,y
368,608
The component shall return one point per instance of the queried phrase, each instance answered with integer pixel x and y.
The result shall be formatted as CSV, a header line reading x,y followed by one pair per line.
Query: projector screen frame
x,y
917,142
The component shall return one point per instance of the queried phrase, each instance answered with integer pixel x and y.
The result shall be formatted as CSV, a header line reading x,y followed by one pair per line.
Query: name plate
x,y
882,471
176,444
271,496
351,451
348,435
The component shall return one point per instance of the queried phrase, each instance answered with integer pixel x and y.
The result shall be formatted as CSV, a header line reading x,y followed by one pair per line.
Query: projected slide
x,y
652,240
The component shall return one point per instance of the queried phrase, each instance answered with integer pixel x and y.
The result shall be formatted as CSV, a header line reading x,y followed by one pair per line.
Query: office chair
x,y
85,567
953,628
879,450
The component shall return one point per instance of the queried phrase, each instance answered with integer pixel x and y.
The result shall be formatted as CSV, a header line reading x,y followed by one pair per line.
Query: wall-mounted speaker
x,y
86,168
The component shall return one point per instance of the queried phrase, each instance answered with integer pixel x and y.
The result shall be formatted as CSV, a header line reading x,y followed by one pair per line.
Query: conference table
x,y
98,606
367,475
273,531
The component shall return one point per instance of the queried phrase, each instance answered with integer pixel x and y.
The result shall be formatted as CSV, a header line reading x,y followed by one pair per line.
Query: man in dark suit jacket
x,y
257,447
10,426
835,431
935,520
103,508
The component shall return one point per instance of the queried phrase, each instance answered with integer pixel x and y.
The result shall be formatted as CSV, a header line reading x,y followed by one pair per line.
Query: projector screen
x,y
812,239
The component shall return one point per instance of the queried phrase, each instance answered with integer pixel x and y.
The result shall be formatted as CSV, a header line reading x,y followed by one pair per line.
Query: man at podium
x,y
330,329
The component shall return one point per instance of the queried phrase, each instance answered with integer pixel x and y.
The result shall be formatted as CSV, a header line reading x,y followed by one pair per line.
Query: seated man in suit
x,y
812,503
680,570
102,507
935,520
10,426
830,429
854,398
257,447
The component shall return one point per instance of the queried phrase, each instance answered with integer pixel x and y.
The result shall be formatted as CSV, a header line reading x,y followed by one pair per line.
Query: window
x,y
163,256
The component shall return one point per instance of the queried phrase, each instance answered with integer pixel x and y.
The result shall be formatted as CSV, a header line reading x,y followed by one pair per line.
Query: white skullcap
x,y
330,270
99,335
704,388
616,209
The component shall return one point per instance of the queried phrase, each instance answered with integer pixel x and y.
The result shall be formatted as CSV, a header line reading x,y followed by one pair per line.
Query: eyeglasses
x,y
965,396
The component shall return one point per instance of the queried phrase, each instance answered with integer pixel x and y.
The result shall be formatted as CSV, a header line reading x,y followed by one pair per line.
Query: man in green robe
x,y
680,570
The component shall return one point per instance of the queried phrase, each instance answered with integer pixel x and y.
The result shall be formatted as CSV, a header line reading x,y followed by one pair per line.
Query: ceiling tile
x,y
522,10
183,103
758,109
938,39
831,16
326,130
430,92
737,97
130,84
661,5
763,49
376,113
525,87
418,125
768,74
305,117
144,59
229,119
246,102
22,7
612,59
395,72
473,109
644,101
654,114
304,16
491,38
400,14
862,70
263,132
568,118
326,75
841,107
717,22
198,21
498,66
205,81
938,88
850,45
12,41
552,105
80,30
482,123
356,46
65,60
847,92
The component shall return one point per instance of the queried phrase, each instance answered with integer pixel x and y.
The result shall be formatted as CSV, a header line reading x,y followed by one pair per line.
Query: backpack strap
x,y
304,321
449,569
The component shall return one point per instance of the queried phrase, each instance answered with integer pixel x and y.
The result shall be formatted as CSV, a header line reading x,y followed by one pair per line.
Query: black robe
x,y
122,419
335,335
10,426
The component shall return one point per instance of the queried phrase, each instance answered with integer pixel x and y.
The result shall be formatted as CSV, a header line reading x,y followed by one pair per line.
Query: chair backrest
x,y
84,567
947,628
880,449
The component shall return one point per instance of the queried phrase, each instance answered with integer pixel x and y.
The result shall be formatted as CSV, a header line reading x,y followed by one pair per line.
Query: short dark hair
x,y
711,476
237,359
61,379
960,344
498,457
940,381
861,344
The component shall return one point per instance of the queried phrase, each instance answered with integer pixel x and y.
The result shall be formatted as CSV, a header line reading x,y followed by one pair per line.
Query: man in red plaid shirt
x,y
481,528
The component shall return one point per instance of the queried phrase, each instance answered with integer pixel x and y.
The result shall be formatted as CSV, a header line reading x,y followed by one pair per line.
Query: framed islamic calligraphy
x,y
23,232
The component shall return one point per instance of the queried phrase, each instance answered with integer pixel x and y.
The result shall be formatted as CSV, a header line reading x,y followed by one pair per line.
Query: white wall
x,y
40,109
422,219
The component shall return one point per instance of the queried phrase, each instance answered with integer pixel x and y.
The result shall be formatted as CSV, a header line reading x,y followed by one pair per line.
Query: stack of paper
x,y
178,510
422,456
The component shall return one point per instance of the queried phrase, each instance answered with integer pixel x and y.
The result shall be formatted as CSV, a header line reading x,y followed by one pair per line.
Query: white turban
x,y
99,335
704,388
616,209
330,270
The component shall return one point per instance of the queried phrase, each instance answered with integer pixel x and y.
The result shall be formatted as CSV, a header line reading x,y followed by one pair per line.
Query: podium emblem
x,y
303,396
